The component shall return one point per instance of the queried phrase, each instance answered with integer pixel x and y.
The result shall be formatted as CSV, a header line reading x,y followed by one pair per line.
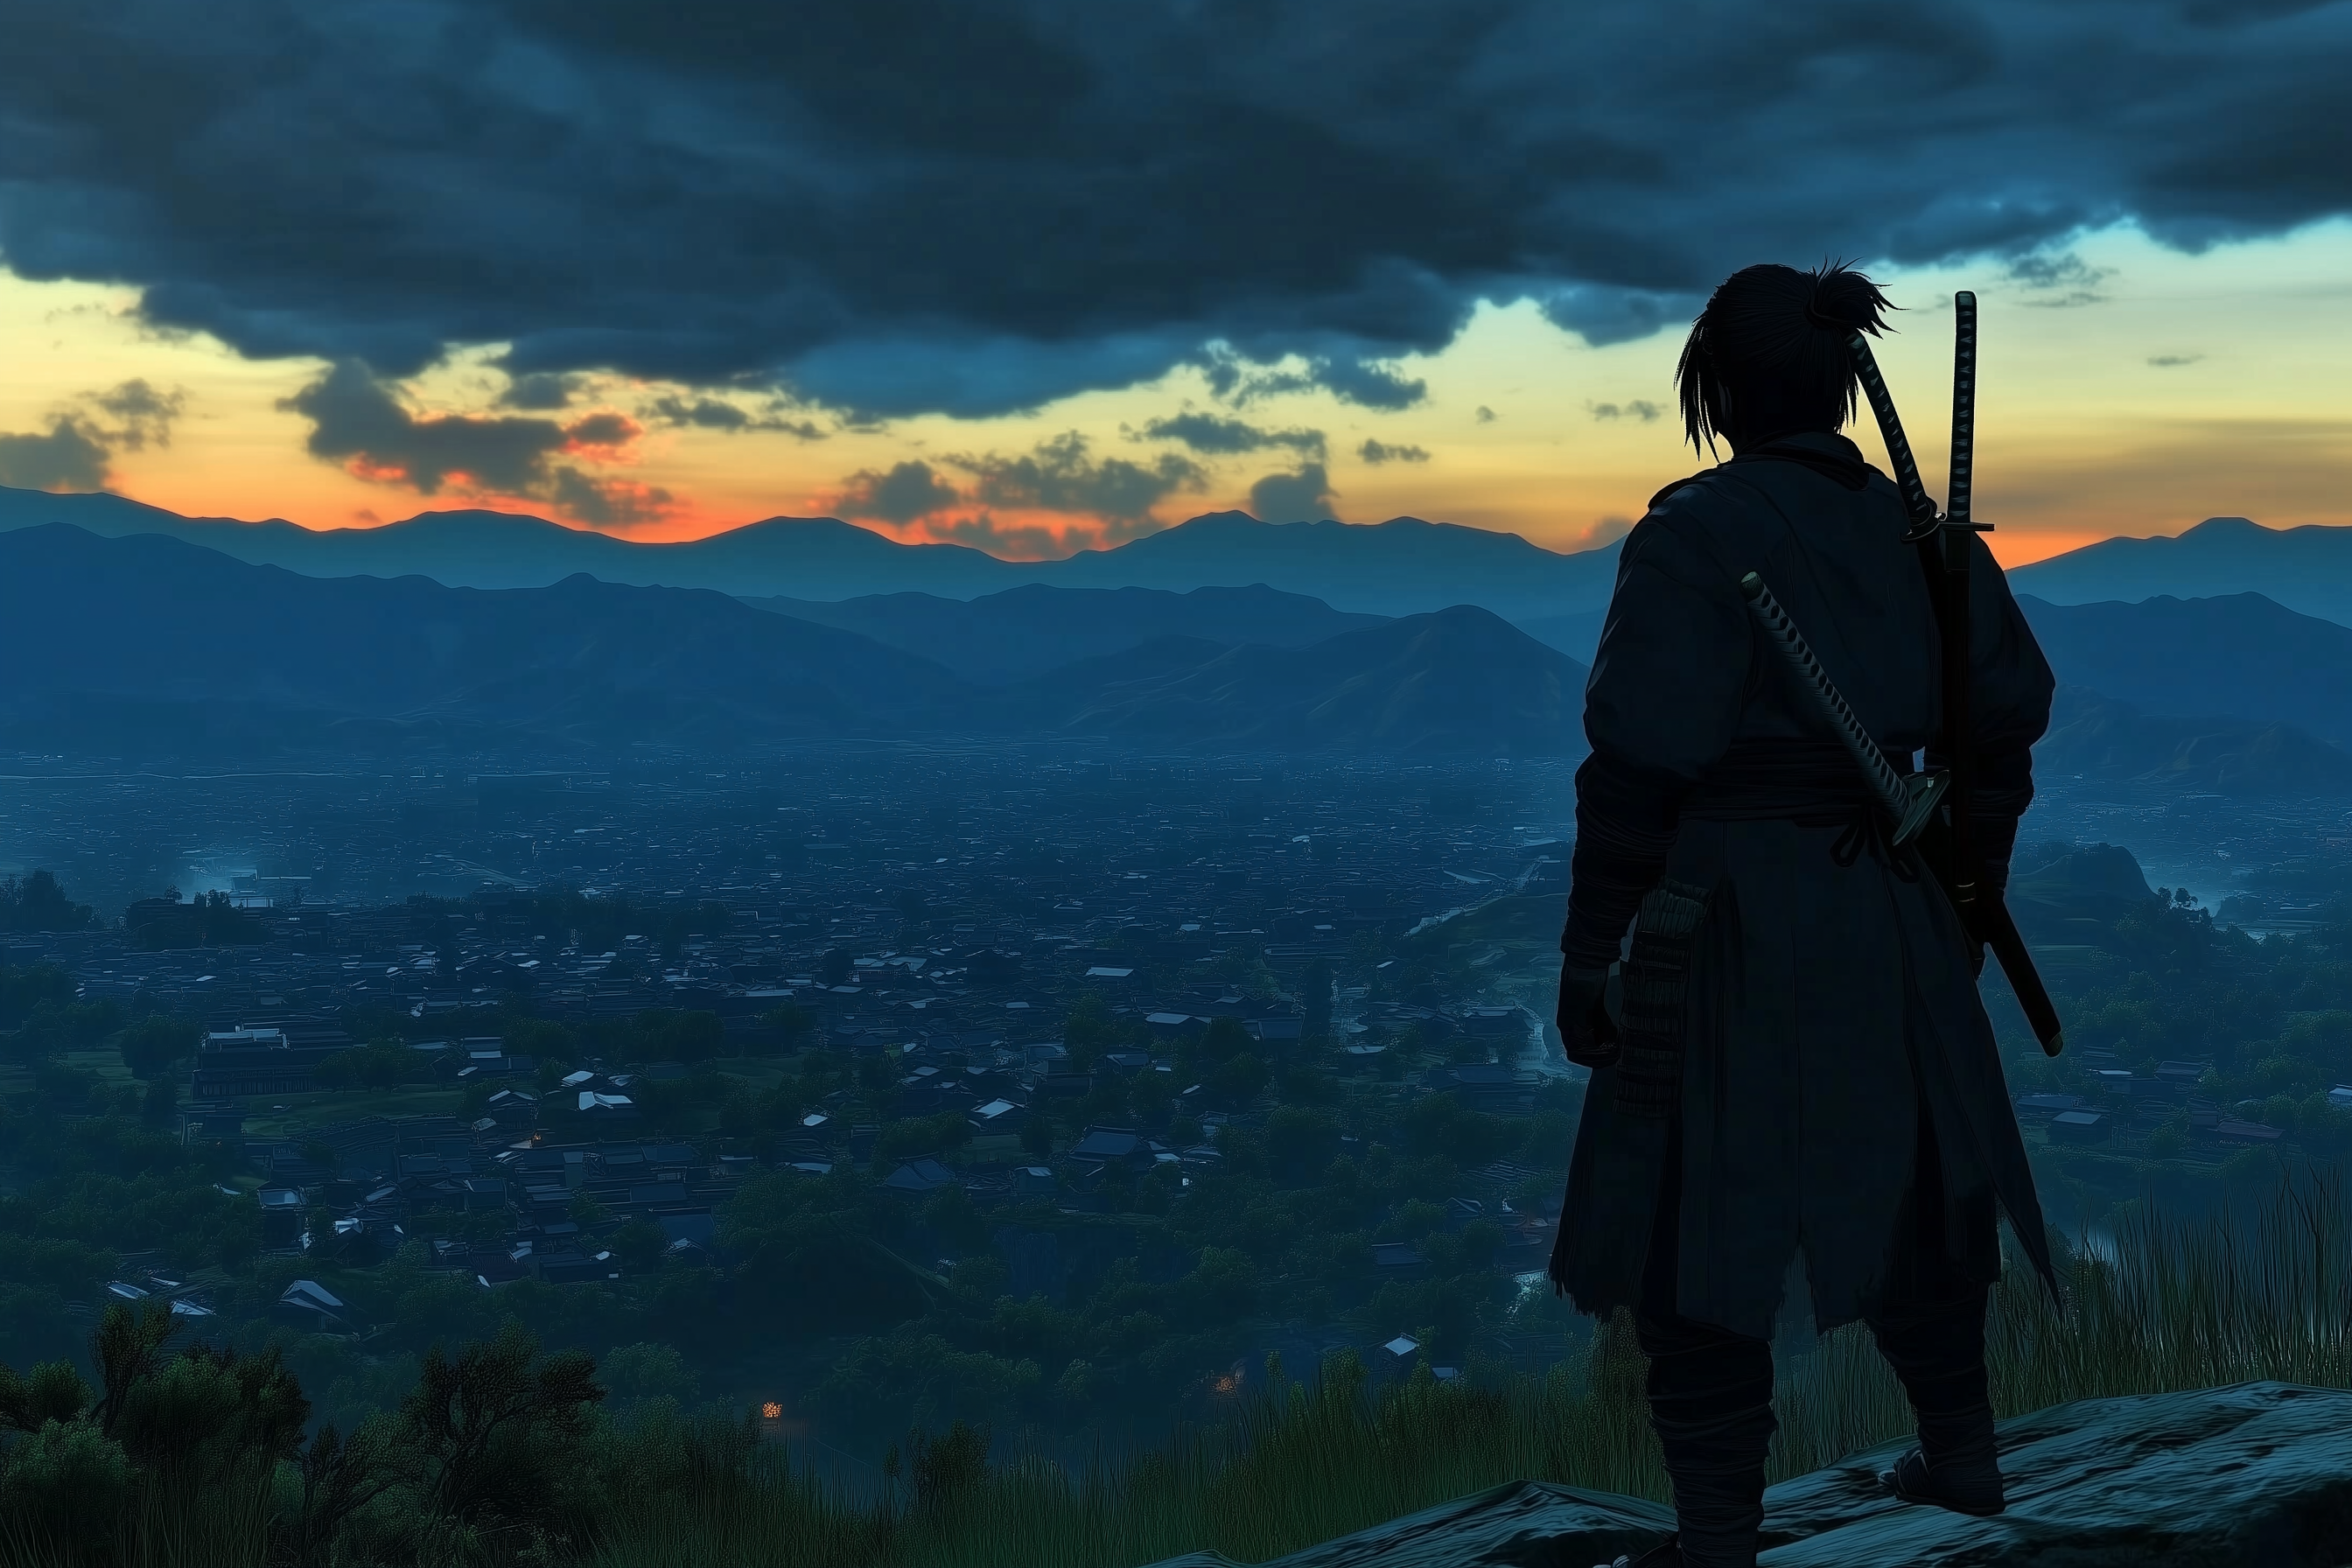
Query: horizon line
x,y
880,531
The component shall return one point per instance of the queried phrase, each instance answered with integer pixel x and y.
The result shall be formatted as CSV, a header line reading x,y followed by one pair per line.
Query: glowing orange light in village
x,y
772,1410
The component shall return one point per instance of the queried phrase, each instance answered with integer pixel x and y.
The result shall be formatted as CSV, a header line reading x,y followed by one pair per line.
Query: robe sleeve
x,y
2012,688
1660,710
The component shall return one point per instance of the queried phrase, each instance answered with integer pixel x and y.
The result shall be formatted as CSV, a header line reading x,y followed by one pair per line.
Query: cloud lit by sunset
x,y
1454,348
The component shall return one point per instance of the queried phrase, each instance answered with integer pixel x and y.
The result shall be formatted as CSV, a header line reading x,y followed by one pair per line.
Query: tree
x,y
954,1221
1239,1079
1223,1038
482,1437
38,902
1088,1029
639,1245
790,1023
24,991
1315,994
384,1063
156,1044
1037,1134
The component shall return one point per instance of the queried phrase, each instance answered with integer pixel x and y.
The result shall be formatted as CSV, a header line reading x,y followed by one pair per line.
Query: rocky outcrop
x,y
2254,1475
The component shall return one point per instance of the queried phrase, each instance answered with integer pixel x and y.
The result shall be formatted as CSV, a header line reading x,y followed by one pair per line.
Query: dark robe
x,y
1832,1004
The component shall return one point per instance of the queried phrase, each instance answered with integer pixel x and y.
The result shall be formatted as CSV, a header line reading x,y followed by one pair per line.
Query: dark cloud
x,y
606,503
142,414
1303,497
77,451
358,421
70,455
1640,408
1013,542
539,392
2060,280
1059,476
910,490
610,430
980,205
1486,415
2173,362
1241,380
1373,451
1223,437
710,414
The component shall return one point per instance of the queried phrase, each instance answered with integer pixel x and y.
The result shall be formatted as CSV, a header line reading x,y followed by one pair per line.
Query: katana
x,y
1910,801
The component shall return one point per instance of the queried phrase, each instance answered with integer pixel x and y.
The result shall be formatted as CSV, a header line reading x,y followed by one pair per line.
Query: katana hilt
x,y
1957,499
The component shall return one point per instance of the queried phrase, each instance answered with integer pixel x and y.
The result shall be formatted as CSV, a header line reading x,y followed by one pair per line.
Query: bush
x,y
64,1492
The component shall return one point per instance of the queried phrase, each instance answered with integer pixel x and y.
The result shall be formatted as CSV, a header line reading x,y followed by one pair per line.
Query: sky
x,y
1045,276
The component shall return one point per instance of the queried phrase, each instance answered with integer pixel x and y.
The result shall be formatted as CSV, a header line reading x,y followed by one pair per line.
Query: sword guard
x,y
1923,793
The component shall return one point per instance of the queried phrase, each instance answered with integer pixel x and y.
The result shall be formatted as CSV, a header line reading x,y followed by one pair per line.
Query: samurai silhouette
x,y
1801,1064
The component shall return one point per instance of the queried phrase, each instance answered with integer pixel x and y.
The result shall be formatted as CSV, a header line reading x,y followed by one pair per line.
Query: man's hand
x,y
1586,1031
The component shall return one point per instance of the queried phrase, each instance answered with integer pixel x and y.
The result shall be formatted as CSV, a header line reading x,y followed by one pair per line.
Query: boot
x,y
1971,1490
1666,1553
1939,1354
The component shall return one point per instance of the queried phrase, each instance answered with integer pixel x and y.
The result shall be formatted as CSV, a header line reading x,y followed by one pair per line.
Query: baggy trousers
x,y
1711,1390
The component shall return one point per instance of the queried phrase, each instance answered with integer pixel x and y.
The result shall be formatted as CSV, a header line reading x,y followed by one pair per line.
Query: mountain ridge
x,y
149,642
1403,566
2308,568
1016,633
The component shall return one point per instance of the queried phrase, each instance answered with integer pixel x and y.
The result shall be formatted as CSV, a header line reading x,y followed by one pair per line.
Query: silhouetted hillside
x,y
2096,737
1577,636
2080,895
112,643
2237,656
1460,681
1401,567
2308,570
1028,630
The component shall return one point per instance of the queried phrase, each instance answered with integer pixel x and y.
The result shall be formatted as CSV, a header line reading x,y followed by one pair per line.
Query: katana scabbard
x,y
1924,516
1999,929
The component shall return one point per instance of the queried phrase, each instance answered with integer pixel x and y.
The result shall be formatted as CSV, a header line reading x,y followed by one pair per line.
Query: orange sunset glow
x,y
2175,394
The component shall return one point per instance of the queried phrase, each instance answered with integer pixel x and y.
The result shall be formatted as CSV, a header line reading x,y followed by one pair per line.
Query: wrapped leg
x,y
1711,1401
1938,1353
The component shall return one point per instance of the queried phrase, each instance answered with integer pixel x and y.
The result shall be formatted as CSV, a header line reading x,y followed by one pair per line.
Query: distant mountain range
x,y
106,639
149,644
2096,737
142,641
998,638
1404,566
2308,570
1459,681
2239,655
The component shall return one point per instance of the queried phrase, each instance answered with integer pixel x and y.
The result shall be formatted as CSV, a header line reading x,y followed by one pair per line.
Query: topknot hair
x,y
1768,354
